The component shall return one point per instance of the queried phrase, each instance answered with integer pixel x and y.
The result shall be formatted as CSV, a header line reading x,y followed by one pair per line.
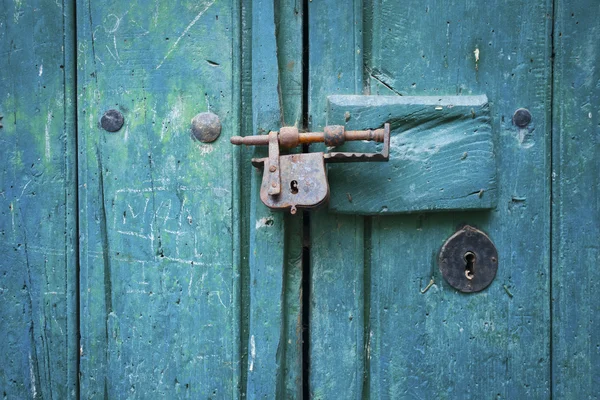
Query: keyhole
x,y
294,187
470,265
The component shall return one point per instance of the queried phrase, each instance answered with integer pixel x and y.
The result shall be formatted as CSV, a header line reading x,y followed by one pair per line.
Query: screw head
x,y
206,127
522,117
272,168
112,120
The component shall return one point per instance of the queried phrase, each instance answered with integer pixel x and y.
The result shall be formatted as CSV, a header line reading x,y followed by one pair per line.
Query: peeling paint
x,y
265,221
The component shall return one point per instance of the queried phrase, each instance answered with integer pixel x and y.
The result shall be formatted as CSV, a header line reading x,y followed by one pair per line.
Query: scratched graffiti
x,y
167,223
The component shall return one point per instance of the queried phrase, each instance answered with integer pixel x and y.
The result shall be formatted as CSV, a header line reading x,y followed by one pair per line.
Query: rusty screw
x,y
272,168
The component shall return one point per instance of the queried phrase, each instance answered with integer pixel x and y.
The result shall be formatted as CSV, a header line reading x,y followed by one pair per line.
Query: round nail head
x,y
112,121
206,127
522,117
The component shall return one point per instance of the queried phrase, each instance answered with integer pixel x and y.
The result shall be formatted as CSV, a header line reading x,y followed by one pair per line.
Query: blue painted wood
x,y
160,291
274,344
576,202
441,155
337,341
421,338
38,237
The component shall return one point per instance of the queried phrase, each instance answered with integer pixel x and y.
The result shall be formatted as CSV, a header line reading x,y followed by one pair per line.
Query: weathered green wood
x,y
274,344
38,282
506,328
160,296
440,343
441,155
576,206
288,22
336,340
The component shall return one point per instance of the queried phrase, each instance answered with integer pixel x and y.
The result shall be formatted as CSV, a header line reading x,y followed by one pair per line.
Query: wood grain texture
x,y
441,155
336,339
38,313
576,204
274,344
442,344
160,302
495,343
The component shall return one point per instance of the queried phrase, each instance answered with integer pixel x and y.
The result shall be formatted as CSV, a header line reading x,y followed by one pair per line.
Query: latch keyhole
x,y
294,187
470,264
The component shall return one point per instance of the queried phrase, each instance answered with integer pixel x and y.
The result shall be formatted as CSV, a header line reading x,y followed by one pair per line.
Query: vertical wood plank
x,y
441,343
38,285
438,343
576,207
336,347
160,292
274,343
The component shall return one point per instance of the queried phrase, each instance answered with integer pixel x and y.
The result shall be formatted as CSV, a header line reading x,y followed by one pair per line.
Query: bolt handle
x,y
332,135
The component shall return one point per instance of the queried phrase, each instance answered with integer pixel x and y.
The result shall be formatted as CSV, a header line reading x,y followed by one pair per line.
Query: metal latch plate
x,y
303,182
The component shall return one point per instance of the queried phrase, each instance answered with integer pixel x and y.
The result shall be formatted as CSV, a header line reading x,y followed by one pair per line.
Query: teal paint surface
x,y
576,202
337,319
160,296
38,313
376,334
274,368
441,155
179,276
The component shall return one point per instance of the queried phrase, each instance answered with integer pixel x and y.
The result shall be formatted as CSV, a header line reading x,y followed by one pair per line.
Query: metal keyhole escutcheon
x,y
468,260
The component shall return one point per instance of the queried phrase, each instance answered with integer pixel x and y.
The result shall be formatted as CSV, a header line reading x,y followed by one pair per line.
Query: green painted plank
x,y
160,297
274,343
442,344
288,22
441,155
576,206
38,282
336,340
266,258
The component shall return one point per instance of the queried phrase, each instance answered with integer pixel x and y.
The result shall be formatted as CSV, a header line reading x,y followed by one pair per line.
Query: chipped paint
x,y
264,222
252,353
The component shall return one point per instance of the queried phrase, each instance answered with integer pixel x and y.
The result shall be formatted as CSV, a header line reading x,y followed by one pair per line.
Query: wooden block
x,y
441,155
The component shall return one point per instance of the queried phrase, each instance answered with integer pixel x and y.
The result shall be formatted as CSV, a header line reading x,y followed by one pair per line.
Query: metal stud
x,y
112,121
522,117
206,127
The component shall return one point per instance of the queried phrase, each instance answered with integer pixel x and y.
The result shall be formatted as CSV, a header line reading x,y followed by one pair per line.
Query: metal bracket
x,y
300,180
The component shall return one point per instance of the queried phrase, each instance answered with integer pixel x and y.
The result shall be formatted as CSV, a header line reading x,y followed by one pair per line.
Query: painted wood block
x,y
441,155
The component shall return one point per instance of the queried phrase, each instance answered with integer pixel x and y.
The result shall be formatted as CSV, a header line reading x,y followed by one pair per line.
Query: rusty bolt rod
x,y
311,137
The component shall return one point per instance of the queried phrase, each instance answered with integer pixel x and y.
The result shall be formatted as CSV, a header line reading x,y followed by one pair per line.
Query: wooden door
x,y
383,321
141,263
132,266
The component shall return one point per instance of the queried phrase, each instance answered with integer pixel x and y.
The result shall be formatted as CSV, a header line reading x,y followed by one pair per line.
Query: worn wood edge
x,y
71,194
237,199
375,101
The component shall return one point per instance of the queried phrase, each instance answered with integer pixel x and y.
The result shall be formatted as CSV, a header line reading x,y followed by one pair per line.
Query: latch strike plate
x,y
296,181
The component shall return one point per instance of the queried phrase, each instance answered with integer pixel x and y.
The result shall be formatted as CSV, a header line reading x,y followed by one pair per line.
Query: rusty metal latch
x,y
300,180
